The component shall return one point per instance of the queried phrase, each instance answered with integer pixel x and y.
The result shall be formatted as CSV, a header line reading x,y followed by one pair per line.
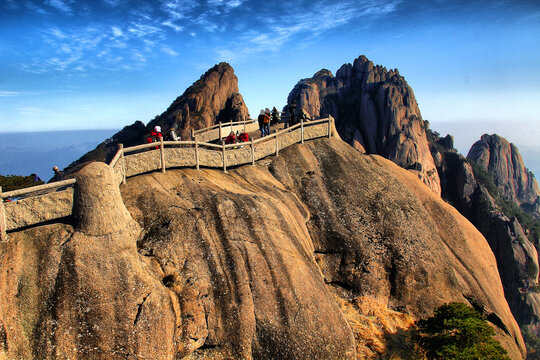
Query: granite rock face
x,y
375,111
503,162
213,98
517,257
251,264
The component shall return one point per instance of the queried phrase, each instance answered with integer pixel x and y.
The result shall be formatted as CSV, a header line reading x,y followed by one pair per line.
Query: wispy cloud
x,y
308,22
9,93
62,5
169,51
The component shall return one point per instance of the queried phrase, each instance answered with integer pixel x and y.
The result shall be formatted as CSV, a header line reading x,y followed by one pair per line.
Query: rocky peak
x,y
375,111
503,162
211,99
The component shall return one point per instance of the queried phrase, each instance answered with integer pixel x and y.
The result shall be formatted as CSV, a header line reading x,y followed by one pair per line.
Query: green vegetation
x,y
508,208
483,177
458,332
14,182
533,344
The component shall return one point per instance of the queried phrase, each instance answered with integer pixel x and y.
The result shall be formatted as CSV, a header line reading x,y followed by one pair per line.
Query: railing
x,y
159,156
221,130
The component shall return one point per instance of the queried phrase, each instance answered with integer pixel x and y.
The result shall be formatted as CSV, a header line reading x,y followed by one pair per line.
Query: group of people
x,y
233,138
156,135
266,118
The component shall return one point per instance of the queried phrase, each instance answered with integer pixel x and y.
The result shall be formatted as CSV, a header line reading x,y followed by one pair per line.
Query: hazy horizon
x,y
37,152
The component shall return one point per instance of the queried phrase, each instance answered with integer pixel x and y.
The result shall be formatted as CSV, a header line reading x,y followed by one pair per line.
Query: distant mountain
x,y
375,111
493,189
503,162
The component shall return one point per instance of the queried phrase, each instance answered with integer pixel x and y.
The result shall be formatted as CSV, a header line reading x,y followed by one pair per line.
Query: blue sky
x,y
75,64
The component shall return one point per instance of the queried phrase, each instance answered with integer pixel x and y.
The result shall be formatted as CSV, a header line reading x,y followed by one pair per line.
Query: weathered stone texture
x,y
375,111
38,209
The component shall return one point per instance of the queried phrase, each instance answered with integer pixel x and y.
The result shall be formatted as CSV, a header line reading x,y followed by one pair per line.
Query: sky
x,y
102,64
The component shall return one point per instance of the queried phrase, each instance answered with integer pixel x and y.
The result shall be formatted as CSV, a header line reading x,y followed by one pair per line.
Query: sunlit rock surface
x,y
261,262
375,111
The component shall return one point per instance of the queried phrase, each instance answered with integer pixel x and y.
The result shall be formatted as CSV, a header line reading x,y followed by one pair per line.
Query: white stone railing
x,y
157,156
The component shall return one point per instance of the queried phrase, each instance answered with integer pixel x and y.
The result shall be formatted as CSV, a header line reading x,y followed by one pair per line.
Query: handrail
x,y
230,123
121,164
32,189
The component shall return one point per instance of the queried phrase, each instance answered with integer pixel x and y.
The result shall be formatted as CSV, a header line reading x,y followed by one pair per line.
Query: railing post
x,y
252,153
192,134
220,131
330,121
302,129
277,143
197,155
224,157
162,151
123,159
244,125
3,233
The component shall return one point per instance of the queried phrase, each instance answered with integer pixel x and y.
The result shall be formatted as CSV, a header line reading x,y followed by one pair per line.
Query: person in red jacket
x,y
231,139
155,135
243,137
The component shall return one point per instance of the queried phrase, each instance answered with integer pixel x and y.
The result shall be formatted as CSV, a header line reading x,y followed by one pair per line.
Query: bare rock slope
x,y
249,264
375,111
498,172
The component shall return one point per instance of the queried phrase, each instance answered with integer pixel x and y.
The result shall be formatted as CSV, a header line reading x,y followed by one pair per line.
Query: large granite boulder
x,y
257,263
375,111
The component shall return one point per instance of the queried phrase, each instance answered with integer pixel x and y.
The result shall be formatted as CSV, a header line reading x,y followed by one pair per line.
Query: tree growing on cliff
x,y
458,332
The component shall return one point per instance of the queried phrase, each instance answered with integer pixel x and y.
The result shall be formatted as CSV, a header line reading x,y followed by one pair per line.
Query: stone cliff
x,y
213,98
503,162
375,111
493,172
257,263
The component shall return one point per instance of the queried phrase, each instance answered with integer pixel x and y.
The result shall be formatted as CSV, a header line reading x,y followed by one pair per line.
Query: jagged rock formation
x,y
213,98
504,163
475,198
375,111
249,264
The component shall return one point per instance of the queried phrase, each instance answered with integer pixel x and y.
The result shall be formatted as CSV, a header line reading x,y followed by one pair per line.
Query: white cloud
x,y
175,27
64,6
36,9
9,93
169,51
117,32
113,3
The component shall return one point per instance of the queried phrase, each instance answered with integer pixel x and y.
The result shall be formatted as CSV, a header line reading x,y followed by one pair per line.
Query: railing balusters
x,y
224,156
3,233
162,151
197,155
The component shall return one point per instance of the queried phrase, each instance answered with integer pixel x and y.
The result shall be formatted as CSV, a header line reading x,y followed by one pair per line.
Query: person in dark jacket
x,y
292,110
58,175
275,116
261,123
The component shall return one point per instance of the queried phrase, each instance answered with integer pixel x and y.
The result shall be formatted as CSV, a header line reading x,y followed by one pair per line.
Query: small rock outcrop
x,y
375,111
503,162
